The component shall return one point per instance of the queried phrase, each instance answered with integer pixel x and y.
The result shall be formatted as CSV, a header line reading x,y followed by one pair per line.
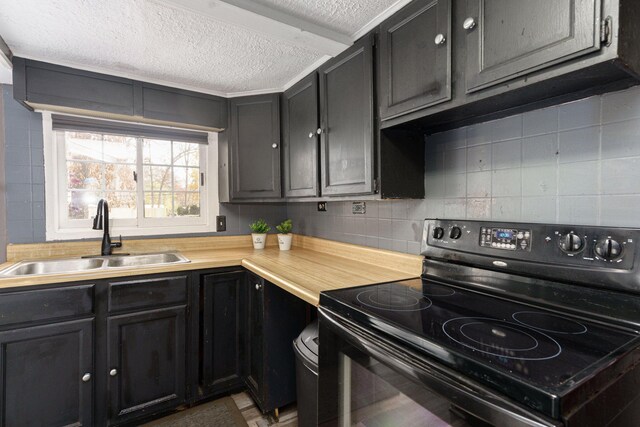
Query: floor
x,y
253,416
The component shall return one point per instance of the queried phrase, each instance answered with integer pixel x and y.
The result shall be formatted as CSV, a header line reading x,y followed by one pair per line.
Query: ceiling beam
x,y
262,19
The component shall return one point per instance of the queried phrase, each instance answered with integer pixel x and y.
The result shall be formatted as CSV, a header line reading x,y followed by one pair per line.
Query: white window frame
x,y
58,227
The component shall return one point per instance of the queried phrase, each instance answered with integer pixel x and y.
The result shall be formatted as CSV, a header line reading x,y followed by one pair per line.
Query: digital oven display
x,y
503,234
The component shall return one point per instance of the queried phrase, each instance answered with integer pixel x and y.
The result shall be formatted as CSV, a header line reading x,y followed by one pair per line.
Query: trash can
x,y
306,350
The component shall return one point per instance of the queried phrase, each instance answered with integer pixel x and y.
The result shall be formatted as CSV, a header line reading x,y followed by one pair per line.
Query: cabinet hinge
x,y
606,30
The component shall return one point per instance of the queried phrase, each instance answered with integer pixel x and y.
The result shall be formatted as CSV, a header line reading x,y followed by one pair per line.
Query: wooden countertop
x,y
311,266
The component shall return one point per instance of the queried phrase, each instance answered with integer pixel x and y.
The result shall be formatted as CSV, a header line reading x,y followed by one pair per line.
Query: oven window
x,y
373,395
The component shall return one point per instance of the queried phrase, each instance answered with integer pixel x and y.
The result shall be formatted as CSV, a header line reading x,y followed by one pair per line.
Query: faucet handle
x,y
117,244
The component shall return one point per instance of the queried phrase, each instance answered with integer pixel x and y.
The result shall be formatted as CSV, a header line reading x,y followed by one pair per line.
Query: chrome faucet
x,y
101,222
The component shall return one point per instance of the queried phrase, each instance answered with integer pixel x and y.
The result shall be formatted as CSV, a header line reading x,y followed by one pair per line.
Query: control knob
x,y
455,233
608,249
571,243
438,233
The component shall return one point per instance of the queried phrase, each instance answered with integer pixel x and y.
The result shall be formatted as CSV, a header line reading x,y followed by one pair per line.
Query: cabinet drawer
x,y
135,294
45,304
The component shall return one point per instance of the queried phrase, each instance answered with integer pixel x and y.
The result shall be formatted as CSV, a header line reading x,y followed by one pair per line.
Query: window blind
x,y
84,124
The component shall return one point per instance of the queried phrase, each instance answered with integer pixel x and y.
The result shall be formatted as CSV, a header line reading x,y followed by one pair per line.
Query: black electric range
x,y
544,315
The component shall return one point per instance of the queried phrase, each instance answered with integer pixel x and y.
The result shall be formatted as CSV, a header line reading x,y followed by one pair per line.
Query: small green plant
x,y
285,226
259,227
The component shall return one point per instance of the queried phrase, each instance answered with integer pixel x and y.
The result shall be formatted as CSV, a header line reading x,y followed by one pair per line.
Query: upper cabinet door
x,y
346,110
300,140
507,38
415,58
254,141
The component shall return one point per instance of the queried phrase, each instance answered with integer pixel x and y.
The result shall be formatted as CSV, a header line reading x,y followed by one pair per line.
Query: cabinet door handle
x,y
440,39
113,372
310,134
258,286
319,131
86,377
469,24
274,145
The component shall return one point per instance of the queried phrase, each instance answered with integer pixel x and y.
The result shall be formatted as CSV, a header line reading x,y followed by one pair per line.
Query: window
x,y
153,184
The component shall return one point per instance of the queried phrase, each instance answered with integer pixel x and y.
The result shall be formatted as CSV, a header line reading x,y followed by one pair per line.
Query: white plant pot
x,y
284,241
259,240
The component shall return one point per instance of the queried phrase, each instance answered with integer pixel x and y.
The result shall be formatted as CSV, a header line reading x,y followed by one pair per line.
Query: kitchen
x,y
439,161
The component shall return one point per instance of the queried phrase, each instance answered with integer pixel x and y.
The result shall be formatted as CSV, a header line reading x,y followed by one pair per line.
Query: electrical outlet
x,y
221,223
322,206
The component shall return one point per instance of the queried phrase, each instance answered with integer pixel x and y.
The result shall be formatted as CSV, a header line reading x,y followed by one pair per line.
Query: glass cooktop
x,y
487,337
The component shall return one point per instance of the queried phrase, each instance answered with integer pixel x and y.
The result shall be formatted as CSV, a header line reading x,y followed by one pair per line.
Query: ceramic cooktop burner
x,y
388,299
501,338
433,290
549,322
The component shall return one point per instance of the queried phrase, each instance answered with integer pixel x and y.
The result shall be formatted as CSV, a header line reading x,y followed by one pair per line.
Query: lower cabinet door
x,y
46,375
254,377
146,363
223,315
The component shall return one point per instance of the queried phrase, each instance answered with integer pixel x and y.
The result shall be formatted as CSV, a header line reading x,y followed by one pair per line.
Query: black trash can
x,y
306,350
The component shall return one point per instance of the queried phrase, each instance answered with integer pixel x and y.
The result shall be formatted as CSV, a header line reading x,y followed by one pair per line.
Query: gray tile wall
x,y
576,163
24,172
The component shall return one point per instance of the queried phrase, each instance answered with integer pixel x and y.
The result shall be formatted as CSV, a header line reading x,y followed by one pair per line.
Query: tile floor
x,y
254,418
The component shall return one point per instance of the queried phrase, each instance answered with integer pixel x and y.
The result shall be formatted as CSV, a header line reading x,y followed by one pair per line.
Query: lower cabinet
x,y
276,318
46,375
146,358
223,316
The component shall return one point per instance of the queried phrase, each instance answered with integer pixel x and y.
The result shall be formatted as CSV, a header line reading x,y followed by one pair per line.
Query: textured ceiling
x,y
343,16
168,42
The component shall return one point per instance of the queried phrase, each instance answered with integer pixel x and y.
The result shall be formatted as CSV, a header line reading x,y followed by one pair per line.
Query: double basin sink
x,y
72,265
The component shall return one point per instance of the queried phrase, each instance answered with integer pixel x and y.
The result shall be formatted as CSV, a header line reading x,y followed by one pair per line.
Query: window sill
x,y
80,234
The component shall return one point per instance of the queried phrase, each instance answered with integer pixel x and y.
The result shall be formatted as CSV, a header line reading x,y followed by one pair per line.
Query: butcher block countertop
x,y
311,266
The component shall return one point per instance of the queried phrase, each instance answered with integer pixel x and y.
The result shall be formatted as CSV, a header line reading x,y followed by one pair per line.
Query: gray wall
x,y
576,163
3,190
24,172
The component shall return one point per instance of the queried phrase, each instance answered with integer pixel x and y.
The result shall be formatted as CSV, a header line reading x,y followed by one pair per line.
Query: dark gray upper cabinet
x,y
41,84
300,139
54,87
511,38
46,375
254,147
346,111
415,52
182,106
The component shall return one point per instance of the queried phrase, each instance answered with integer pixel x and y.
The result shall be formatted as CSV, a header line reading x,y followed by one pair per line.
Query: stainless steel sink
x,y
73,265
145,260
27,268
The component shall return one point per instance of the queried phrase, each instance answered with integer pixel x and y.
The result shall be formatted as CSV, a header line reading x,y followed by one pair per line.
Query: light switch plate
x,y
221,223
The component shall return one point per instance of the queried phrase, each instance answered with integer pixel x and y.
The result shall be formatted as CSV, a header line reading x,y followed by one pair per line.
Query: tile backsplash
x,y
575,163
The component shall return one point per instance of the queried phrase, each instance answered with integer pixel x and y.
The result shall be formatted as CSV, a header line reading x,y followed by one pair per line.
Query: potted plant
x,y
284,237
259,230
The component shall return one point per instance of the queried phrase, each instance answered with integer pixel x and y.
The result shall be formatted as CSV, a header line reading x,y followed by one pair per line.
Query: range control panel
x,y
509,239
602,256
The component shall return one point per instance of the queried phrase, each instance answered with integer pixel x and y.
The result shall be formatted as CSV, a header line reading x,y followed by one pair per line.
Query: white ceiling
x,y
224,47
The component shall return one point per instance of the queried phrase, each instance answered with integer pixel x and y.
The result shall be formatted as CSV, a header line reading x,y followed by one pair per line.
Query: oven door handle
x,y
468,395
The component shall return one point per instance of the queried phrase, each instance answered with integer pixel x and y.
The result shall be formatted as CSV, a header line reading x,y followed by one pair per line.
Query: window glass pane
x,y
186,179
84,175
83,146
119,177
119,149
187,204
157,178
121,204
82,204
157,205
156,151
186,154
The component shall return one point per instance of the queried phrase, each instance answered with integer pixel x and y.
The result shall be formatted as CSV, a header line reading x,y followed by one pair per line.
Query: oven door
x,y
367,380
